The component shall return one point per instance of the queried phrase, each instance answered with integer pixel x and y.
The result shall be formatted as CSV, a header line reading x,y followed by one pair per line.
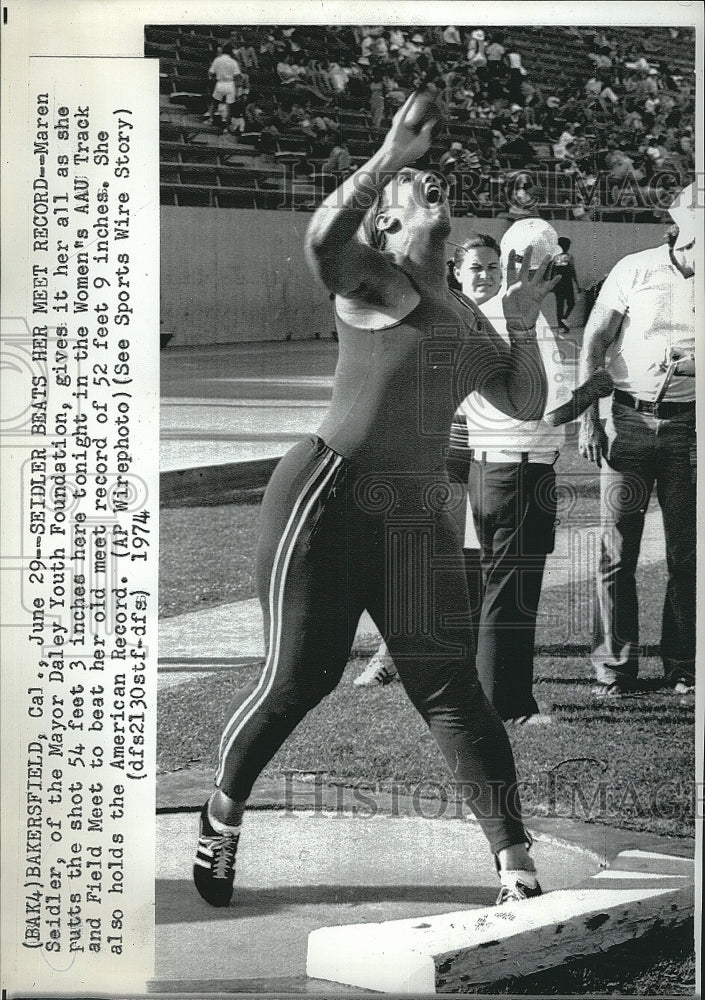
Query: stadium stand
x,y
596,123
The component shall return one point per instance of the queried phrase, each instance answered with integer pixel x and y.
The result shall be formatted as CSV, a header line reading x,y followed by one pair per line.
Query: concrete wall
x,y
231,275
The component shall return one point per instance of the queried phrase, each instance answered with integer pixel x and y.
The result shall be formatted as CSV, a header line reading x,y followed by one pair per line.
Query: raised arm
x,y
512,377
601,332
344,264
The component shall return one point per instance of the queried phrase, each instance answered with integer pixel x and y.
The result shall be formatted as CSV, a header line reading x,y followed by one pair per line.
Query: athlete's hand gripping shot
x,y
356,516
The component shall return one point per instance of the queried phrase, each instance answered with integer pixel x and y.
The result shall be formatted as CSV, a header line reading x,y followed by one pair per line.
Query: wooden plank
x,y
451,952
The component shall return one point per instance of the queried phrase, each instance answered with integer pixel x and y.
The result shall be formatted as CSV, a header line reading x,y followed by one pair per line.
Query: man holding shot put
x,y
357,516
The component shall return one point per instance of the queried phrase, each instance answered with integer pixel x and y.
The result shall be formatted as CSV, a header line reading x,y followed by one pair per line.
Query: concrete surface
x,y
298,871
240,402
368,888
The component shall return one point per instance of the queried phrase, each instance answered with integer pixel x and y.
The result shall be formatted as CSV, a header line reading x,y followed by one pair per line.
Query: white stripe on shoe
x,y
302,508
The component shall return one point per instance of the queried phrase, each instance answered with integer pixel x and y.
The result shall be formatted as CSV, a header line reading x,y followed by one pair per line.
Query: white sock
x,y
510,876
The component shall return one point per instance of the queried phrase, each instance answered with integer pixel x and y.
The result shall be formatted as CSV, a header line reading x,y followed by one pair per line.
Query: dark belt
x,y
663,410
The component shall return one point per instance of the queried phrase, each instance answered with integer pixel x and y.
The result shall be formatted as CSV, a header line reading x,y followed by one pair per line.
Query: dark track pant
x,y
336,540
514,506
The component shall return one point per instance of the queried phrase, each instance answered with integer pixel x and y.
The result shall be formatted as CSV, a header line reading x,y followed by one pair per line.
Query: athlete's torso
x,y
395,389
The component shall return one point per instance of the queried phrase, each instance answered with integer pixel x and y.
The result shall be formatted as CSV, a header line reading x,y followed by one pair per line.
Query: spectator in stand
x,y
471,155
450,79
243,51
476,54
463,97
549,117
513,121
480,110
516,76
633,123
641,65
652,106
495,52
268,46
358,88
686,145
531,105
381,50
339,164
318,75
412,48
397,38
451,164
621,169
609,101
339,77
593,88
367,46
562,148
654,154
601,60
287,72
394,95
520,191
241,92
291,113
377,98
223,70
451,36
319,129
499,141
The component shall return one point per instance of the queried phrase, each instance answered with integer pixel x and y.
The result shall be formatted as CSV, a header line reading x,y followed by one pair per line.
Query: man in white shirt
x,y
223,70
511,487
643,324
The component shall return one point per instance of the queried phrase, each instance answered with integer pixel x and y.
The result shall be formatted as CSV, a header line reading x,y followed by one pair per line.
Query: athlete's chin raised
x,y
435,220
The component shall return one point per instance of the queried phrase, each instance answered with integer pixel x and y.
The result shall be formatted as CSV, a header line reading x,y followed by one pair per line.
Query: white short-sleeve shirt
x,y
658,306
224,68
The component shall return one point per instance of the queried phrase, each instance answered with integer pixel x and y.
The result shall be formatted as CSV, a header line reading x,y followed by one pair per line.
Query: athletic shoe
x,y
616,689
684,686
379,671
214,864
517,892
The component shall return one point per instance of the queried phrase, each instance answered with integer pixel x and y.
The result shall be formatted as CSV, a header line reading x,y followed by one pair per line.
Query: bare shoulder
x,y
381,299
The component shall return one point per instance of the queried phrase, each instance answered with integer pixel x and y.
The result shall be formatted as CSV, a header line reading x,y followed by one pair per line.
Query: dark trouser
x,y
565,300
334,541
514,506
643,451
458,464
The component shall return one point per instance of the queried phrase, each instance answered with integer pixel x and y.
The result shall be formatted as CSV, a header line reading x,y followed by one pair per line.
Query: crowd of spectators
x,y
629,122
